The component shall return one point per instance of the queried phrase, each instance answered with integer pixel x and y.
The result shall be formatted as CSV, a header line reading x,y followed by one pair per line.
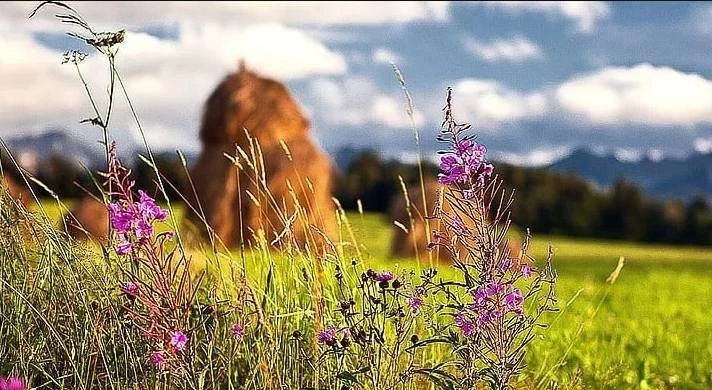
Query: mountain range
x,y
667,178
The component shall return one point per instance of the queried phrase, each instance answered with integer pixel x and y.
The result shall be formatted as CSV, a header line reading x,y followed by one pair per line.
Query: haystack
x,y
89,218
16,191
282,184
413,242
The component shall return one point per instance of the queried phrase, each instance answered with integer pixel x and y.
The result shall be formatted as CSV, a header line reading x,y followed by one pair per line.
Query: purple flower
x,y
238,331
385,276
480,296
415,303
327,336
464,147
513,301
144,230
121,220
505,265
12,383
466,326
448,163
123,248
487,170
179,340
526,271
130,289
455,175
493,288
148,208
158,359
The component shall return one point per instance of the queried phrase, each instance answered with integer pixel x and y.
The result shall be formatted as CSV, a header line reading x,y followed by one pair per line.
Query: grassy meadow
x,y
648,330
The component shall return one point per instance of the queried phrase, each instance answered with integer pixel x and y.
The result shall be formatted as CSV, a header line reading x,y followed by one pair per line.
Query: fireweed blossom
x,y
415,303
488,310
12,383
178,340
158,359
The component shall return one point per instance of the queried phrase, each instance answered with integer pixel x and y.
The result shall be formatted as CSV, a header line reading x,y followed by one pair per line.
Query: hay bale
x,y
16,191
88,219
415,240
231,198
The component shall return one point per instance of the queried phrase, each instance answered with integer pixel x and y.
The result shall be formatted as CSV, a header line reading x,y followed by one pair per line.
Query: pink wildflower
x,y
238,331
179,340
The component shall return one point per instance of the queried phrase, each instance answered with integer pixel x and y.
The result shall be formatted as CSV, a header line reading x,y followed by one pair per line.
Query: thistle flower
x,y
238,331
178,340
129,289
327,336
415,303
385,276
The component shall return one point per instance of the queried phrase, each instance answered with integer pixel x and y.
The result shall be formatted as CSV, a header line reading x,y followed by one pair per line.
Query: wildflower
x,y
415,303
130,289
123,248
327,336
453,176
179,340
385,276
505,265
346,338
493,288
158,359
148,208
12,383
238,331
466,326
526,271
121,219
513,301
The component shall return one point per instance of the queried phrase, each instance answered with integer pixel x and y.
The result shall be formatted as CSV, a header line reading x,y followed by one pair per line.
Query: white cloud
x,y
703,145
384,55
586,14
643,94
168,80
516,49
534,158
357,101
114,14
490,104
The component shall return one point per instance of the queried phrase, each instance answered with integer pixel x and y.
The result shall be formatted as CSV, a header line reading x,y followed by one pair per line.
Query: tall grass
x,y
309,316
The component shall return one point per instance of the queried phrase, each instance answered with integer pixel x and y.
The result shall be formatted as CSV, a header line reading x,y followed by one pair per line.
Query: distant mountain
x,y
31,150
666,178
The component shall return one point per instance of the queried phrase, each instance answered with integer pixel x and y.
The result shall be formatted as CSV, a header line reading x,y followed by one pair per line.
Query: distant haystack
x,y
17,192
415,240
89,218
283,185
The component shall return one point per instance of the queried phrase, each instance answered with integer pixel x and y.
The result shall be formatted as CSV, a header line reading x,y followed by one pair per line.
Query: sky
x,y
535,79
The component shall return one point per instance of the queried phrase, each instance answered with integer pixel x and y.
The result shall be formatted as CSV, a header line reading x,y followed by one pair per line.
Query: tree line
x,y
545,202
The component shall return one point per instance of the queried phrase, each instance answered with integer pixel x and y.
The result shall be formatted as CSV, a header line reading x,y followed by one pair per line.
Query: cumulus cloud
x,y
643,94
516,49
356,101
168,79
384,55
119,14
539,156
488,103
585,14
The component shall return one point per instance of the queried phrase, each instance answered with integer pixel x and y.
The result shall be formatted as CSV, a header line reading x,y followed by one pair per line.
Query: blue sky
x,y
536,80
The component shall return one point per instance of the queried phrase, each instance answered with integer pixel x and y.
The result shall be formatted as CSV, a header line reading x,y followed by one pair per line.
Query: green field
x,y
649,330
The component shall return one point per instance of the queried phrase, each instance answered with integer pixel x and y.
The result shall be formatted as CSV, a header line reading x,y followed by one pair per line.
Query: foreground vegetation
x,y
648,330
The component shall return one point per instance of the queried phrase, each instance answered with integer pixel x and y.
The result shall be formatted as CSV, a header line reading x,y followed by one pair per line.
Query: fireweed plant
x,y
500,296
486,315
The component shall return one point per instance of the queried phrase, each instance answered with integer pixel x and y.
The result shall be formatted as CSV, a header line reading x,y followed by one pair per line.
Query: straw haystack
x,y
414,241
282,182
89,218
16,191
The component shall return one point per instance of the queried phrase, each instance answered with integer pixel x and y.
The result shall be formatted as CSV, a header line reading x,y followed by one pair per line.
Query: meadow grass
x,y
649,330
